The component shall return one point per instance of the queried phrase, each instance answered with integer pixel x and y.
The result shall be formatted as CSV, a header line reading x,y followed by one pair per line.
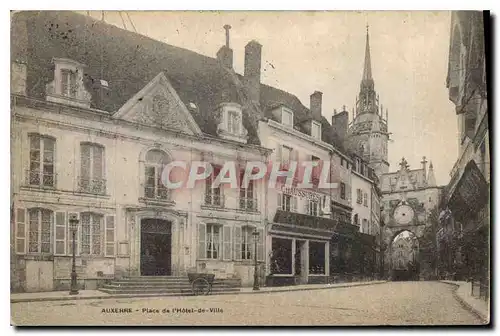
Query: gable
x,y
159,105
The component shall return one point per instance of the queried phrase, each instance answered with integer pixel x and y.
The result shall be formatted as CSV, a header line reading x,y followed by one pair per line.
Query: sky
x,y
303,52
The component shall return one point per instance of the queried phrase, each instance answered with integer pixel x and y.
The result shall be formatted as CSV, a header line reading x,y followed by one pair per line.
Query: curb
x,y
465,304
122,296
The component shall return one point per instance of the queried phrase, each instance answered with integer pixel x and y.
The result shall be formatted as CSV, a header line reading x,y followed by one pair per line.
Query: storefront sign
x,y
302,193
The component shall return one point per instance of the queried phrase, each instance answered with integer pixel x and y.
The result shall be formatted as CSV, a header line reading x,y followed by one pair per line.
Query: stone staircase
x,y
165,285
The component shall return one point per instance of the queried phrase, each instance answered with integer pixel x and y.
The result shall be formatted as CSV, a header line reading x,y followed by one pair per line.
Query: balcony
x,y
214,199
248,203
39,179
95,186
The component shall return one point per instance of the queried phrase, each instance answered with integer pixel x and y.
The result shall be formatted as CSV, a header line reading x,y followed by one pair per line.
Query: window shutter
x,y
294,204
60,233
260,245
77,235
202,231
279,153
237,243
227,243
109,235
280,201
307,207
21,231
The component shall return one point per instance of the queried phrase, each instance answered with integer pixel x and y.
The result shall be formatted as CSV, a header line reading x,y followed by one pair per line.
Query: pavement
x,y
463,293
389,303
96,294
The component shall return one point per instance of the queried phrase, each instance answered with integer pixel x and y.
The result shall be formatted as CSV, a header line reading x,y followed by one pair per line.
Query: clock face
x,y
403,214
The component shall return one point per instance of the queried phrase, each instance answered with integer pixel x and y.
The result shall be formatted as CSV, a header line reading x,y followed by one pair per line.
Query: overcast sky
x,y
307,51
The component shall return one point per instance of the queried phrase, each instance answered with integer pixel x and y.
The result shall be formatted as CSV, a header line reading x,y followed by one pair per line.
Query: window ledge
x,y
214,207
40,188
89,194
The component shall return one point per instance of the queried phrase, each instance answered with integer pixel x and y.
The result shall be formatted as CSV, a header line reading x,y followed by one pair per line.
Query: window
x,y
364,227
247,243
68,83
91,233
154,188
41,165
213,196
92,169
359,196
342,191
362,170
213,241
356,220
287,202
286,154
312,208
316,129
287,117
316,171
40,231
365,200
247,198
233,122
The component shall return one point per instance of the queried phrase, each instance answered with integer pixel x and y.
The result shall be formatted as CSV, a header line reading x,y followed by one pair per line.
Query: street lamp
x,y
255,235
73,226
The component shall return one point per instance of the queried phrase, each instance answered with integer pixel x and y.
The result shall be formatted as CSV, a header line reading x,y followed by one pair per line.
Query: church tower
x,y
368,133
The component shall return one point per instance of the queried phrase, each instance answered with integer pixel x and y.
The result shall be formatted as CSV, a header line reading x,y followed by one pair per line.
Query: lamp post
x,y
73,225
255,235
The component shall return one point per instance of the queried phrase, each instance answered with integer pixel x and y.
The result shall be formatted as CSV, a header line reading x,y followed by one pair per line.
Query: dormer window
x,y
286,117
68,83
67,86
316,129
231,123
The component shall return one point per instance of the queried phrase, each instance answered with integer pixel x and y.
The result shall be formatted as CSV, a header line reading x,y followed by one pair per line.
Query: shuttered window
x,y
40,231
227,250
202,241
92,169
237,242
109,234
61,233
21,231
91,233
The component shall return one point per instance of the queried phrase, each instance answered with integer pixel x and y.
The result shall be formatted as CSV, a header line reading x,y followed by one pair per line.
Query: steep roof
x,y
271,97
126,60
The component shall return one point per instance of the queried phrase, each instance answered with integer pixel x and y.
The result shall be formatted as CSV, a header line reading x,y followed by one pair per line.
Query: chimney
x,y
315,104
225,53
340,123
251,79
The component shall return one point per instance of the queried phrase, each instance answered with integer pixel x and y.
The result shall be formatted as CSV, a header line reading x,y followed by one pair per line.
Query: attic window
x,y
68,83
67,86
287,117
316,129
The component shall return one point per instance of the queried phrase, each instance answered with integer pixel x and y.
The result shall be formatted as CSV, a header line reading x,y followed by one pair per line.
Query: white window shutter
x,y
202,249
21,231
279,151
260,245
227,243
70,234
109,235
61,234
237,243
280,201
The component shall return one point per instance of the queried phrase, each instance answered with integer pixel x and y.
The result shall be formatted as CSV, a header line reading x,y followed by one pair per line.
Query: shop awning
x,y
470,193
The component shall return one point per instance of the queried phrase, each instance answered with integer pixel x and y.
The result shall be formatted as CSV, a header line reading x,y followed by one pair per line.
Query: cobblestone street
x,y
393,303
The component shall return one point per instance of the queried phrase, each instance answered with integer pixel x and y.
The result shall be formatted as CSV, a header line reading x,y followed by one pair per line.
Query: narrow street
x,y
392,303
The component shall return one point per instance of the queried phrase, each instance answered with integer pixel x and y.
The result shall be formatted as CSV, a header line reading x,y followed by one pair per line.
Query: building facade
x,y
464,236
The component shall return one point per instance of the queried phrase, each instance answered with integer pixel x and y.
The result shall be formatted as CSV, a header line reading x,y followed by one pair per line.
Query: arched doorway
x,y
156,247
405,259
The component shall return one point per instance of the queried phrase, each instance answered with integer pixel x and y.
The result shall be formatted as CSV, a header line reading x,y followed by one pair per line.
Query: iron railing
x,y
37,178
92,185
248,203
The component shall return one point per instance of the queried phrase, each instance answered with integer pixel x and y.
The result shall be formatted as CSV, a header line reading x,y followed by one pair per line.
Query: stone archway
x,y
404,258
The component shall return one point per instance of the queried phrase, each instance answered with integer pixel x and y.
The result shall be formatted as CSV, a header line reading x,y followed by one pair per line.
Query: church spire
x,y
367,70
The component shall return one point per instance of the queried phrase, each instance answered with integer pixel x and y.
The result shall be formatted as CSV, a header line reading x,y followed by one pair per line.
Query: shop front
x,y
299,249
